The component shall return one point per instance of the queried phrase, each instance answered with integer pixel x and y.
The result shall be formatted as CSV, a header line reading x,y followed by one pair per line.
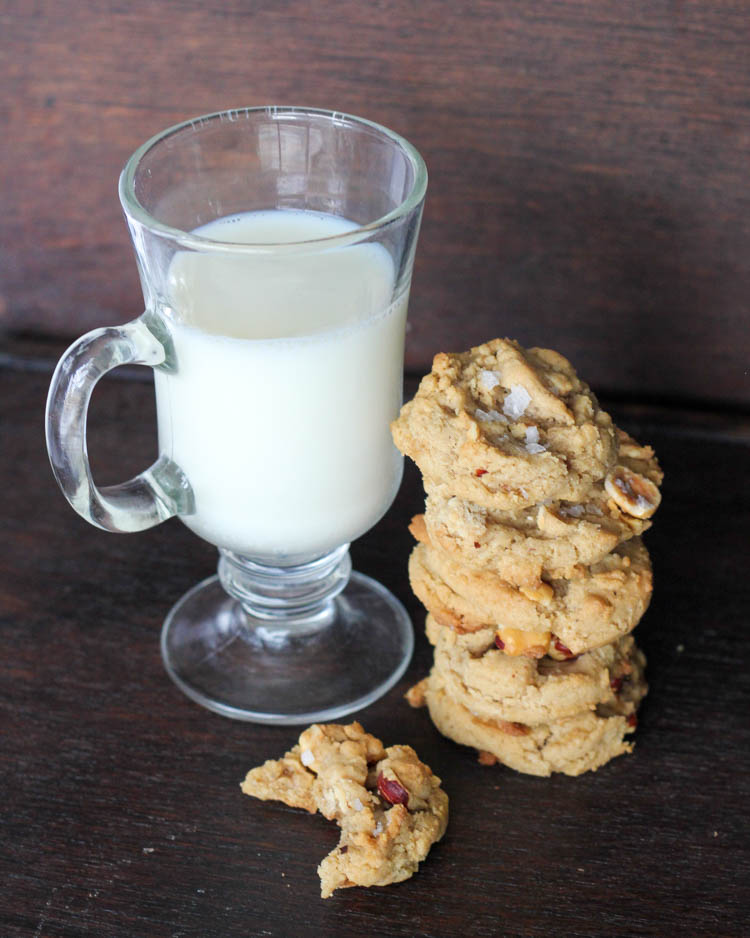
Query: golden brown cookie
x,y
579,743
389,805
494,686
550,538
506,427
596,606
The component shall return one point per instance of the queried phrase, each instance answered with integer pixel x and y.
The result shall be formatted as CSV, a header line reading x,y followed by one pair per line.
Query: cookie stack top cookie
x,y
506,428
530,545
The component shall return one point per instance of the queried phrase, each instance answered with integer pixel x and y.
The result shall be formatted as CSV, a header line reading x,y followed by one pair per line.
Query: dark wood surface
x,y
121,813
588,161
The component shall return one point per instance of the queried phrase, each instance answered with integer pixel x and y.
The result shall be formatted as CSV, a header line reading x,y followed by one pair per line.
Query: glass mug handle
x,y
142,502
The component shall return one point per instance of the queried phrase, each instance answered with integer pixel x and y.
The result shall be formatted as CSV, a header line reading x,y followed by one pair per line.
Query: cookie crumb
x,y
415,695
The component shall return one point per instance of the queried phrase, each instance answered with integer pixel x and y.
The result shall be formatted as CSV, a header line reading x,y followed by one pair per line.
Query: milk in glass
x,y
288,373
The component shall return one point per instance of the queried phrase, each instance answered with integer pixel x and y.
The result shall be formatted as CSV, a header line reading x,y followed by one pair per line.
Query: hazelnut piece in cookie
x,y
632,493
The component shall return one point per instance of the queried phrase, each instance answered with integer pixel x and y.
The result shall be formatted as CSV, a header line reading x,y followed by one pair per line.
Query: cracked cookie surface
x,y
576,744
389,805
506,427
494,686
550,538
597,605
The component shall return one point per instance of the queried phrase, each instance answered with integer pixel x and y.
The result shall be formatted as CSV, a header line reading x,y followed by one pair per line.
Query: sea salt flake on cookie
x,y
516,401
532,441
490,416
488,380
571,511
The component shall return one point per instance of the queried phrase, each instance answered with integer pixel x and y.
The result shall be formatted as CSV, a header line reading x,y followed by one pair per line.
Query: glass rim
x,y
136,211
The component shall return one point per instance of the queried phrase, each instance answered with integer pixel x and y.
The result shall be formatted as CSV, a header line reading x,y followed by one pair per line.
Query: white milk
x,y
289,371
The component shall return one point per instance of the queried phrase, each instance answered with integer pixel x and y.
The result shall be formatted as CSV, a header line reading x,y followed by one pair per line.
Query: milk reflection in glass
x,y
289,370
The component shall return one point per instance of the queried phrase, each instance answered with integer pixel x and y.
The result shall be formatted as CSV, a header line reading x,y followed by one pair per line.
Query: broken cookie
x,y
389,805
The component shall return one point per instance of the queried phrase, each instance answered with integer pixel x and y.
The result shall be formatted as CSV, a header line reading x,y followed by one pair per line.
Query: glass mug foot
x,y
321,662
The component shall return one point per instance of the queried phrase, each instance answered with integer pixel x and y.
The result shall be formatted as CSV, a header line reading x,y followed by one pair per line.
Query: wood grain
x,y
121,813
588,162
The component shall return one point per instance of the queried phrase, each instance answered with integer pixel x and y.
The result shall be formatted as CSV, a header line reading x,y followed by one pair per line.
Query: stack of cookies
x,y
529,558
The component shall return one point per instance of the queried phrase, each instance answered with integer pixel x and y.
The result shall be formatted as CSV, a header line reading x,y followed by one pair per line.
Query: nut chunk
x,y
388,804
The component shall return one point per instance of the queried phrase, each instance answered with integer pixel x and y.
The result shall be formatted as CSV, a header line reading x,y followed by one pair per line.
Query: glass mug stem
x,y
276,597
152,496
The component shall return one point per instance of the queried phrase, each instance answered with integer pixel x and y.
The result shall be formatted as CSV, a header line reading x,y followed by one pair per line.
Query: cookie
x,y
550,538
596,606
494,686
573,745
506,427
389,805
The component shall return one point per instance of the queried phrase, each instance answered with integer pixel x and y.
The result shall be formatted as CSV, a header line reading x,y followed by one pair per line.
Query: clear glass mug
x,y
275,248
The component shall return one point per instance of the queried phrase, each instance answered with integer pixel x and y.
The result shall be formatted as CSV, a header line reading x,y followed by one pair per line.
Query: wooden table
x,y
121,809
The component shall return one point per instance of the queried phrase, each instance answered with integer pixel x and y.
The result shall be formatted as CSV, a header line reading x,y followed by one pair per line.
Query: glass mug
x,y
275,248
